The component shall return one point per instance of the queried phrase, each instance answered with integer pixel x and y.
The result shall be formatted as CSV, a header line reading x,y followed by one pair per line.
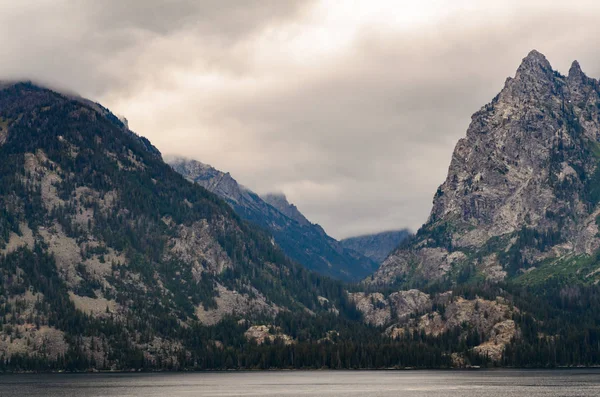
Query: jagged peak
x,y
174,159
575,71
279,201
197,171
535,54
534,77
279,196
535,62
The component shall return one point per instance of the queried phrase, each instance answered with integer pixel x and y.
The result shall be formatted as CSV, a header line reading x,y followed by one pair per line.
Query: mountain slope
x,y
511,248
302,241
521,197
376,246
111,259
280,202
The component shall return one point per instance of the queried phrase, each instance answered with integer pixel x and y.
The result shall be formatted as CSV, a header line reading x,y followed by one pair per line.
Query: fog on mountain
x,y
112,259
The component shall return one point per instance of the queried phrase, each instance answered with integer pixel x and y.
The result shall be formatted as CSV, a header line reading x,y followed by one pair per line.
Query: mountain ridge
x,y
301,240
111,260
513,234
280,202
523,180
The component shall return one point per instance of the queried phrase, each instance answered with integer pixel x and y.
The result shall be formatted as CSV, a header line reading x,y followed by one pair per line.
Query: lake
x,y
491,383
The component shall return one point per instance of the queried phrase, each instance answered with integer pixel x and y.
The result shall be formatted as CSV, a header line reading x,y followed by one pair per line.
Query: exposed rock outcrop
x,y
230,302
479,314
491,320
262,333
301,240
375,307
280,202
521,182
379,310
501,335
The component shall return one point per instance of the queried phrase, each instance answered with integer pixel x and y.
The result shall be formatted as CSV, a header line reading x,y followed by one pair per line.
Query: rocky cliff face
x,y
486,324
376,246
379,310
522,187
213,180
302,241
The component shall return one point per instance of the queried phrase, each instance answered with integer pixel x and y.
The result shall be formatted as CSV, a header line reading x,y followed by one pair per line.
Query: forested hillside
x,y
111,260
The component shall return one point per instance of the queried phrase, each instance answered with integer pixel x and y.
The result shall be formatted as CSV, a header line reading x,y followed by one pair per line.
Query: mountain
x,y
109,259
511,249
301,240
520,201
376,246
280,202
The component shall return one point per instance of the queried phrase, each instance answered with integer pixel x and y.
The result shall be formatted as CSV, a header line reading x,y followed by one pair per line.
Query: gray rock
x,y
280,202
523,176
379,310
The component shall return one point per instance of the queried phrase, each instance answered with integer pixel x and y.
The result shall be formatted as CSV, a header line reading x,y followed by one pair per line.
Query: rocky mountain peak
x,y
221,183
575,69
576,77
535,60
528,164
281,203
533,81
195,168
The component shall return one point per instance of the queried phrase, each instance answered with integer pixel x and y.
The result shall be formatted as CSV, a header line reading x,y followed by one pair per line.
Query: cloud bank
x,y
350,108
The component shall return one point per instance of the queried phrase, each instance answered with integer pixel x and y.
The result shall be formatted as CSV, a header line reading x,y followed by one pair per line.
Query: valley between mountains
x,y
113,259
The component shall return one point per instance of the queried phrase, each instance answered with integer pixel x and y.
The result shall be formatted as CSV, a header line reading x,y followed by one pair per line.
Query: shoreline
x,y
273,370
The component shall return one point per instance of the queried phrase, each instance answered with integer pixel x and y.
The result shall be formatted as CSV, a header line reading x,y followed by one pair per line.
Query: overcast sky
x,y
351,108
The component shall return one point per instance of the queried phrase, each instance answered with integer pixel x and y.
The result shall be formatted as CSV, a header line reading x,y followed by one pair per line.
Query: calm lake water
x,y
581,383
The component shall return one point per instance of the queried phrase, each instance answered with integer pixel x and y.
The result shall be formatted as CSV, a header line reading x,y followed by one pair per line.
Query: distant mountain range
x,y
303,241
376,246
110,259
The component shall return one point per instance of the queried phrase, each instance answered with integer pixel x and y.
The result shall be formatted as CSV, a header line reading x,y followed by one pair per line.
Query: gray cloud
x,y
353,112
94,47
